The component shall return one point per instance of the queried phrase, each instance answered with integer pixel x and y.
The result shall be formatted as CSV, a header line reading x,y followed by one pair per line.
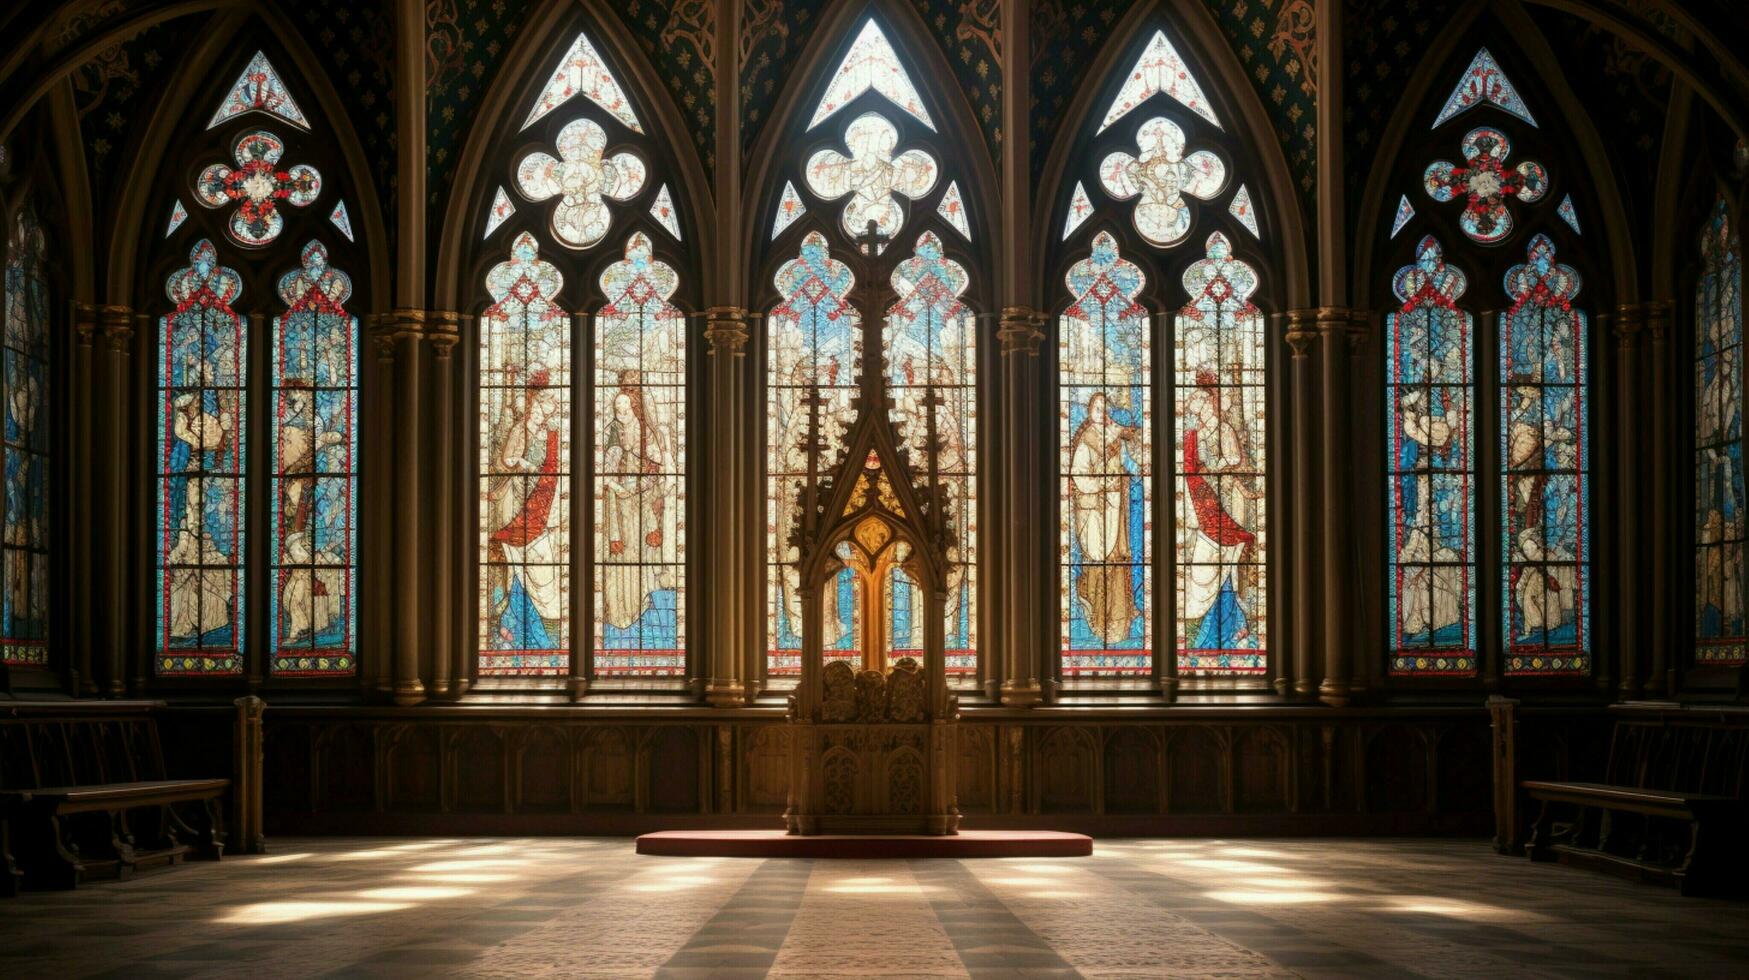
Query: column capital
x,y
118,327
1630,319
726,330
1359,325
1301,331
443,329
1021,330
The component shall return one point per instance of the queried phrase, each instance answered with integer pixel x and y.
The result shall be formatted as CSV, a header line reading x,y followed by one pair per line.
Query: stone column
x,y
1628,323
246,777
406,330
1020,334
1339,634
444,331
730,672
81,391
1365,663
115,438
383,582
1658,326
1301,675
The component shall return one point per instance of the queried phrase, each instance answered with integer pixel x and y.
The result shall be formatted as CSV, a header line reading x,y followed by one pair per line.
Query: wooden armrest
x,y
74,799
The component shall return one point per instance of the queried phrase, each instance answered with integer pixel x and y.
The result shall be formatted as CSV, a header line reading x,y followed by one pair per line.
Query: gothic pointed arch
x,y
1167,249
253,258
1492,239
871,172
585,209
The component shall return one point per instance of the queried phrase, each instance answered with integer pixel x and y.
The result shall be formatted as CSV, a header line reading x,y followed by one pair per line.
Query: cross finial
x,y
871,242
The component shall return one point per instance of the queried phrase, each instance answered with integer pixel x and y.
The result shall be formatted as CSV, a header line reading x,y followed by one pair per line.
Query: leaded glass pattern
x,y
201,455
581,177
872,176
1545,480
639,476
1222,547
1160,69
1431,484
313,604
525,469
259,89
930,342
871,63
1720,633
1159,176
1483,183
1483,82
24,536
814,342
582,72
257,185
1105,424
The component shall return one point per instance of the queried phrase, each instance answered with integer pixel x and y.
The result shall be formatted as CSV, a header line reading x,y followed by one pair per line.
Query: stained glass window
x,y
1159,70
640,469
582,72
1080,209
814,341
872,175
1546,538
1160,177
871,63
313,595
200,464
1483,82
1220,397
1721,635
257,185
1431,483
525,468
930,342
24,535
259,89
1105,423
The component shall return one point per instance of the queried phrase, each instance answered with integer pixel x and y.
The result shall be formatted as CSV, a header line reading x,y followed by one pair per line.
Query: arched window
x,y
1720,631
872,170
24,393
256,411
584,219
1488,418
1155,216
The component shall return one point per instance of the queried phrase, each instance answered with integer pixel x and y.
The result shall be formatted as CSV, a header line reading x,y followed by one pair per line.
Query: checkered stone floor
x,y
1137,908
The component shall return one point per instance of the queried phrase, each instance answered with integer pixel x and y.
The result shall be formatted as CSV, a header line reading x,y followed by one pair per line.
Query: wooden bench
x,y
1670,806
84,794
1711,863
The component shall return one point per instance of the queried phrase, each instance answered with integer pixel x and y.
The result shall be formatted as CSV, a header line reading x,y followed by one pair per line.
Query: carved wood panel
x,y
977,773
1132,770
1066,772
543,771
1260,770
1196,770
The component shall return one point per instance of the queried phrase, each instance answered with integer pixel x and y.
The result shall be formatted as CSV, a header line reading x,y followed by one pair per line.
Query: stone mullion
x,y
444,333
385,592
82,493
1629,321
730,674
1302,677
1023,671
1360,675
1659,527
113,443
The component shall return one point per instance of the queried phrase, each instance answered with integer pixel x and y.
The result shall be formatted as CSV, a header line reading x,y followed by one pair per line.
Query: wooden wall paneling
x,y
345,768
608,770
977,779
1067,772
1196,765
764,776
413,770
1261,770
1132,769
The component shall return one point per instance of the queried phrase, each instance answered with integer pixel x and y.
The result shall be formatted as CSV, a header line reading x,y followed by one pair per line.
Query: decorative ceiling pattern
x,y
465,45
680,39
772,38
114,93
355,43
969,33
1066,36
1382,46
1273,41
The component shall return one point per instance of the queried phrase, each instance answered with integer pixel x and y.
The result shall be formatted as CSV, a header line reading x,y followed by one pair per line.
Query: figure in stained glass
x,y
640,468
1720,628
24,535
525,401
201,458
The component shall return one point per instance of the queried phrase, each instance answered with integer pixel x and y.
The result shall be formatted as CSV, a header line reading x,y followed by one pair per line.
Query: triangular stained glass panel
x,y
1568,213
789,208
953,209
341,220
1241,209
663,211
178,214
259,89
871,63
501,211
1080,209
1405,211
582,72
1483,82
1159,69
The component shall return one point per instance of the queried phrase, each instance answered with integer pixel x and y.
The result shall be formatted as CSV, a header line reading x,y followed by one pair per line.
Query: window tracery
x,y
1720,630
24,521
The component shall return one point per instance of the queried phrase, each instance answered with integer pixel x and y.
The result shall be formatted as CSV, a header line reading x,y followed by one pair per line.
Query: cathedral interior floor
x,y
1137,908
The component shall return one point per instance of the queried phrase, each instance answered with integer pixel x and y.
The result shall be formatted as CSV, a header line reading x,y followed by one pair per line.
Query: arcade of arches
x,y
1142,418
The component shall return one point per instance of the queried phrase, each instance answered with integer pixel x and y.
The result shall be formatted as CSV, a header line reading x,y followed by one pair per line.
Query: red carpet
x,y
776,843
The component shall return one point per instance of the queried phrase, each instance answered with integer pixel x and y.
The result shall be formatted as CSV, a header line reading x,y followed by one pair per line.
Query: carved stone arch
x,y
956,125
216,51
1199,39
549,31
73,190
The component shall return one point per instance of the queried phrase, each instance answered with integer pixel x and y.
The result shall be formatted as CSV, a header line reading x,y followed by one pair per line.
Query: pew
x,y
1670,808
84,794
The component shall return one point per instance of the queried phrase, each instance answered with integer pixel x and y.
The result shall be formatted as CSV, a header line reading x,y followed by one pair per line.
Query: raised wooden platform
x,y
776,843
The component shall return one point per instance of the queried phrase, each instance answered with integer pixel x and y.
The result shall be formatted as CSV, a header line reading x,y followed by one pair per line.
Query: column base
x,y
1022,694
409,693
576,687
726,694
1305,690
1169,688
1334,693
